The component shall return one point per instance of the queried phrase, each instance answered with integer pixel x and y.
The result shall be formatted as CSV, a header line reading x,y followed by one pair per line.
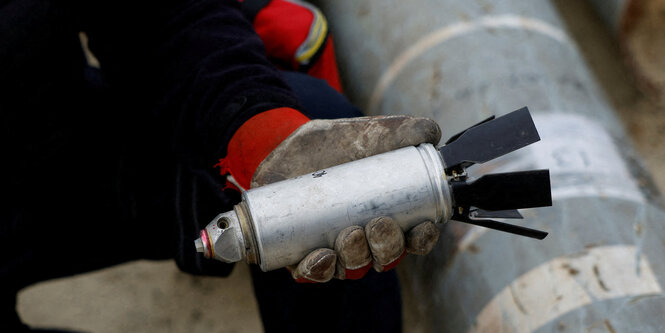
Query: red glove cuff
x,y
255,139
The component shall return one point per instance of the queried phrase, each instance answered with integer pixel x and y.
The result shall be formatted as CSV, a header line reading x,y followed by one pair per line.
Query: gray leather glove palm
x,y
321,144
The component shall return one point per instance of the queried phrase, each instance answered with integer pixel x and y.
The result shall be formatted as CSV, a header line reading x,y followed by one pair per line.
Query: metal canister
x,y
279,224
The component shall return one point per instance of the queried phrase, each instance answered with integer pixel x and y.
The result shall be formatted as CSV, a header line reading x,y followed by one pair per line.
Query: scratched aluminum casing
x,y
638,26
293,217
602,266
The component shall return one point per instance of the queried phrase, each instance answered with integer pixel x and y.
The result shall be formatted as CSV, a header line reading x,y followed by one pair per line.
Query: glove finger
x,y
386,242
421,239
348,139
353,256
318,266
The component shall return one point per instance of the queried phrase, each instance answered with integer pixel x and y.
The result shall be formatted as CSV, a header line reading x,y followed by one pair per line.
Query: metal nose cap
x,y
203,244
199,245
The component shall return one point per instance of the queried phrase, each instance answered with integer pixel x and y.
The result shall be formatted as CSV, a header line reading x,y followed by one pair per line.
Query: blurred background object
x,y
639,26
459,62
552,68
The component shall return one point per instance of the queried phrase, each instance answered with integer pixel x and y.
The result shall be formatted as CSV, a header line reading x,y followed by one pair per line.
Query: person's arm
x,y
205,73
200,63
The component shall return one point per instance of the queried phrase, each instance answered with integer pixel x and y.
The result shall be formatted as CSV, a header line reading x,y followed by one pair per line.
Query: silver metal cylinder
x,y
602,265
279,224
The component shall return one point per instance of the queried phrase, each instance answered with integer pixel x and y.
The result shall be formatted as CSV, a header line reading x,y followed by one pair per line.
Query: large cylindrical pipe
x,y
640,28
458,62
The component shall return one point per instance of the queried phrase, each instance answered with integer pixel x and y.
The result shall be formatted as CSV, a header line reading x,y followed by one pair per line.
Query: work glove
x,y
296,37
319,144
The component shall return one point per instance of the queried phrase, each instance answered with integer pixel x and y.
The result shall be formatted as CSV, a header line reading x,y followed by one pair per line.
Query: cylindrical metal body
x,y
282,222
292,218
602,265
639,27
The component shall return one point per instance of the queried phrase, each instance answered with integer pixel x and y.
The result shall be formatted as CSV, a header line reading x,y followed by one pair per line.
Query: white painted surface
x,y
565,284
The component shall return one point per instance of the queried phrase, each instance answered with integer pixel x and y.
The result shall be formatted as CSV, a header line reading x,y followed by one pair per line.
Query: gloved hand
x,y
296,37
320,144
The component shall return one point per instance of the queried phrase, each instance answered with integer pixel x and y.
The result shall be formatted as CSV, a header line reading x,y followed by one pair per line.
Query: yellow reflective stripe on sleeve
x,y
315,38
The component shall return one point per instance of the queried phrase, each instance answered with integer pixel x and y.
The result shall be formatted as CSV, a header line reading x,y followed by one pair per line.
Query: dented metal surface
x,y
458,62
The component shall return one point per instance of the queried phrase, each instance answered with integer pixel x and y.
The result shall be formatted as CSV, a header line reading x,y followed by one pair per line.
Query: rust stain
x,y
638,229
473,248
486,6
579,254
464,17
364,9
571,270
609,326
517,301
596,272
435,82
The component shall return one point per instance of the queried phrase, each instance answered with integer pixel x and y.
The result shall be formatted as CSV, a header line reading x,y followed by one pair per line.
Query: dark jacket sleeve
x,y
199,63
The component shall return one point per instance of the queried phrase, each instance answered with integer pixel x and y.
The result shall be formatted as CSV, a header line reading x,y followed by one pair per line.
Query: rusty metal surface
x,y
458,62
